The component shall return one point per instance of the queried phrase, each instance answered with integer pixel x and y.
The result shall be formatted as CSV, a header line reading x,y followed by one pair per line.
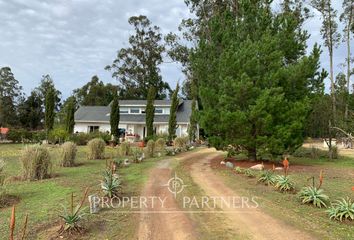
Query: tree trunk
x,y
252,154
348,71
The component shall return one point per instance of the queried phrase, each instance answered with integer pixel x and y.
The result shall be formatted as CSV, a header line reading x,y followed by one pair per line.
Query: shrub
x,y
160,144
58,135
284,184
39,136
96,148
80,138
342,210
180,142
267,177
73,217
150,148
19,135
137,155
111,184
238,170
170,152
36,163
312,152
313,195
68,154
124,149
249,173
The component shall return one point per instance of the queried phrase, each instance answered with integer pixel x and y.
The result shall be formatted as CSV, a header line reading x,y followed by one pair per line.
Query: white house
x,y
132,118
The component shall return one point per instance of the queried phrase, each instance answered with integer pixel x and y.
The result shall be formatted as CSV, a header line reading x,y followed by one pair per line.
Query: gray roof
x,y
101,113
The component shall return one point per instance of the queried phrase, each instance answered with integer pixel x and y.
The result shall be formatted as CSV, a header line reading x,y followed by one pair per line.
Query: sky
x,y
72,40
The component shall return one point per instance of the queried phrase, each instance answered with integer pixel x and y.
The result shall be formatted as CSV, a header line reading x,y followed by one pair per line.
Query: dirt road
x,y
248,223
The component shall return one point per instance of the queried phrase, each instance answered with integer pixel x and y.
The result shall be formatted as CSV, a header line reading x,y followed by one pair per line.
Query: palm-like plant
x,y
267,177
73,217
111,184
284,184
313,195
342,209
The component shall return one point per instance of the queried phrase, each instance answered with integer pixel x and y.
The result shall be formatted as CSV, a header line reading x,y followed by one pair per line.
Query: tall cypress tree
x,y
150,112
114,118
49,110
70,115
192,130
172,122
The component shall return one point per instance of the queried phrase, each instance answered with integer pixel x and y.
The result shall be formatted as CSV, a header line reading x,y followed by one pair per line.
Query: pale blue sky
x,y
72,40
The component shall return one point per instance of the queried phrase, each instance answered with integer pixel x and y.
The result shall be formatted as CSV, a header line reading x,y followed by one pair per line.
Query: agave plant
x,y
267,177
111,184
284,184
342,210
238,170
249,173
73,217
313,195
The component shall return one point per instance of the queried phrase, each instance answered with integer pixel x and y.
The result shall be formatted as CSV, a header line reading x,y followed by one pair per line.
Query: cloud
x,y
72,40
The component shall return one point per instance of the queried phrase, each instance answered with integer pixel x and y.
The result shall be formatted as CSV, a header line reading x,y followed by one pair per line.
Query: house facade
x,y
132,118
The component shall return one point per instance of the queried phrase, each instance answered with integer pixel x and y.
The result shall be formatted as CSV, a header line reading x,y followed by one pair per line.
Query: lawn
x,y
42,199
338,183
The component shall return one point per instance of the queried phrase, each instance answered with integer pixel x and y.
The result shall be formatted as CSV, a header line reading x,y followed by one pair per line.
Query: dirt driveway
x,y
249,223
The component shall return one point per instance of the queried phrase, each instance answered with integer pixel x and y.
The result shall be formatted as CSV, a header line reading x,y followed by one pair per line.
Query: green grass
x,y
42,199
338,182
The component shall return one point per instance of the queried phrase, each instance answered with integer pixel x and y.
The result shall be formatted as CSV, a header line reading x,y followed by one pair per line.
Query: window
x,y
134,110
159,110
123,110
93,128
167,110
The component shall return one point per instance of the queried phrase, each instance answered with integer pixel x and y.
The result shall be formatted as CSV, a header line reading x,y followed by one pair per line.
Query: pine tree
x,y
49,110
172,122
114,117
254,86
150,113
331,38
70,115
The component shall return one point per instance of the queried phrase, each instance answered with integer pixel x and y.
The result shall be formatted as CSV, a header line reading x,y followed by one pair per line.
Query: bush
x,y
68,154
342,210
160,144
80,139
312,152
238,170
19,135
284,184
58,135
124,149
39,136
313,195
36,163
249,173
111,184
180,142
137,155
267,177
150,148
96,148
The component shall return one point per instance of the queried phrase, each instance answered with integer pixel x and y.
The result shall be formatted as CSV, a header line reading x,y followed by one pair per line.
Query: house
x,y
132,118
